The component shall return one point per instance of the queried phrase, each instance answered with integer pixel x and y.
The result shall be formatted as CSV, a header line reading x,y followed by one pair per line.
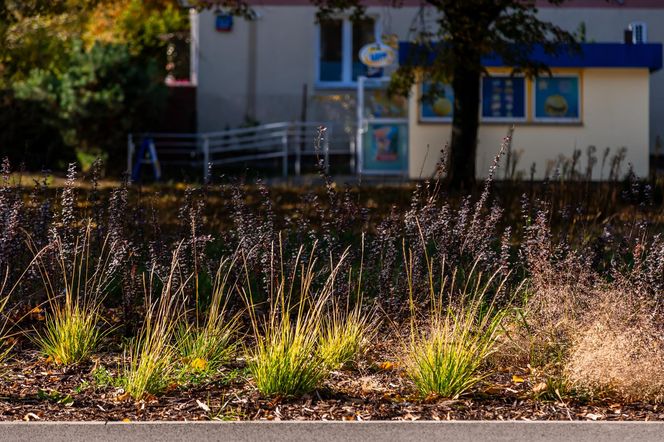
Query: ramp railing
x,y
283,141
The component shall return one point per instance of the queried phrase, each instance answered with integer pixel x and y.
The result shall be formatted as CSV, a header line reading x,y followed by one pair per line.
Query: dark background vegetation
x,y
77,75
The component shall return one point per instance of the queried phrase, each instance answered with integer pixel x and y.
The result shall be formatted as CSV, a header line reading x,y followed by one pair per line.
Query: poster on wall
x,y
557,98
439,108
384,147
377,104
503,98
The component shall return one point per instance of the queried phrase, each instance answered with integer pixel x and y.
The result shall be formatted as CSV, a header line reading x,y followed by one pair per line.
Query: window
x,y
557,99
438,108
331,51
339,44
503,98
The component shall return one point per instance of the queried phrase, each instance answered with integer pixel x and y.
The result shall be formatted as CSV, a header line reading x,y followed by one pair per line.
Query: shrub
x,y
618,351
597,336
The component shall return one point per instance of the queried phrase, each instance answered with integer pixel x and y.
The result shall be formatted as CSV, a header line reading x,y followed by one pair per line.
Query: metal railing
x,y
281,141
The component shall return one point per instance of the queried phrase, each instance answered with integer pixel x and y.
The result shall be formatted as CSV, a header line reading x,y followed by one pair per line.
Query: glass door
x,y
382,129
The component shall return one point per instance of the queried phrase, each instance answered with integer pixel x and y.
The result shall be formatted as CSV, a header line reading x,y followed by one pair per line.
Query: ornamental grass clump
x,y
75,286
285,360
6,325
150,358
206,347
5,344
450,344
347,331
345,335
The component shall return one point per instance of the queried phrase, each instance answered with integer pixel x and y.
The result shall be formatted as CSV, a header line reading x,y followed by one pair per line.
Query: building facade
x,y
285,66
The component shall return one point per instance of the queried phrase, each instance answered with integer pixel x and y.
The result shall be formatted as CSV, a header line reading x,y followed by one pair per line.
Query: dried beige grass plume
x,y
619,351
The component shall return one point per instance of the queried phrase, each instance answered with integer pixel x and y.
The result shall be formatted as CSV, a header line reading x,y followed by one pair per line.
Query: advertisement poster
x,y
384,147
439,108
557,98
377,104
503,98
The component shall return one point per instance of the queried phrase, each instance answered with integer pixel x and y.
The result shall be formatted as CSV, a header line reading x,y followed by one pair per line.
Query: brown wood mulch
x,y
33,389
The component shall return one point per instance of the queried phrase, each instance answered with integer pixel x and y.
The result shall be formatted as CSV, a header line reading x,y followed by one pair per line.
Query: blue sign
x,y
223,22
439,108
384,147
557,98
503,98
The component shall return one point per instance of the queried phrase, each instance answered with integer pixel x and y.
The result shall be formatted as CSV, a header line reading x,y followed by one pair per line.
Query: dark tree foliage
x,y
465,31
77,75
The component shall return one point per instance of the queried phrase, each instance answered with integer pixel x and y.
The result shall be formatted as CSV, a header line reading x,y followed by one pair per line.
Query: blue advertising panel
x,y
378,104
384,147
503,98
557,98
439,108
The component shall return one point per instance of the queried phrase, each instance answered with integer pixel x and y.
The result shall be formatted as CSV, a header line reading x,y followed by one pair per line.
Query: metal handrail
x,y
273,140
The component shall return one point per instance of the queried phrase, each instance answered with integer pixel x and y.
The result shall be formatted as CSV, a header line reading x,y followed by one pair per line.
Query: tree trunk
x,y
463,148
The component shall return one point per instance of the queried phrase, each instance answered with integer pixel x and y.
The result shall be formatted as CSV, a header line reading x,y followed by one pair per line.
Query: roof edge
x,y
591,55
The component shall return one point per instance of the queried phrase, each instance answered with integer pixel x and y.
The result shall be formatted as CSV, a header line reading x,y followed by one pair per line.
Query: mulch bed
x,y
32,389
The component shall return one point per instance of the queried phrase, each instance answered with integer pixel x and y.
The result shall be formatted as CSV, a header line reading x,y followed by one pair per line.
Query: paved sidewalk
x,y
332,431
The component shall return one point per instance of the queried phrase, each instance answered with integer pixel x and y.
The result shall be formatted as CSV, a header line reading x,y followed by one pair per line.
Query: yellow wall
x,y
614,112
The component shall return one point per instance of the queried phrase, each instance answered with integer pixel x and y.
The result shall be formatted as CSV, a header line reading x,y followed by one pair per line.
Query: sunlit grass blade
x,y
204,348
150,357
285,360
75,290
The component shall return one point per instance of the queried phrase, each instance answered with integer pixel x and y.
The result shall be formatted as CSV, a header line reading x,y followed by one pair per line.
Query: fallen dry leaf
x,y
122,397
31,416
203,406
386,365
539,387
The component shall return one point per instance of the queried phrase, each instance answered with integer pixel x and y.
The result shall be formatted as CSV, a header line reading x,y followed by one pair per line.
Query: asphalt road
x,y
332,431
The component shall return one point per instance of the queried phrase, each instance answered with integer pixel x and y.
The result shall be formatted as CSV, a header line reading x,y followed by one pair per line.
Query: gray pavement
x,y
332,431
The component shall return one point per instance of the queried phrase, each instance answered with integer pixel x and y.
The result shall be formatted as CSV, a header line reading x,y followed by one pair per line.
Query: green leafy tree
x,y
464,32
91,69
102,94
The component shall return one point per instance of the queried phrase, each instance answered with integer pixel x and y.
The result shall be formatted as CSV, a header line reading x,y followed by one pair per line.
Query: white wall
x,y
614,114
608,25
285,60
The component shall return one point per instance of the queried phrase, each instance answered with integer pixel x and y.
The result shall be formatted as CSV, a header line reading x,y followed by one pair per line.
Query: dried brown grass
x,y
618,350
541,331
601,339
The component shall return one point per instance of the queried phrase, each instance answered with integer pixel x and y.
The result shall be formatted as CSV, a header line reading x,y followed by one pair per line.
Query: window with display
x,y
557,99
503,98
437,102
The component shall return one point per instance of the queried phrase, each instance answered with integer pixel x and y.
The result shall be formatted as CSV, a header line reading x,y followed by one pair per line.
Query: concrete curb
x,y
458,431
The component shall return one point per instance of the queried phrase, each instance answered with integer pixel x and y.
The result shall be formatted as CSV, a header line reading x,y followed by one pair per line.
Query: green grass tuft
x,y
449,346
150,358
203,349
345,335
286,361
72,333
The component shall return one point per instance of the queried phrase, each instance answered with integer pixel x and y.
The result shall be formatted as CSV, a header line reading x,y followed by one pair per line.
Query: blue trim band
x,y
591,55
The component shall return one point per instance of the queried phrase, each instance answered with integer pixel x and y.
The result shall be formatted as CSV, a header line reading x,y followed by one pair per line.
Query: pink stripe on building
x,y
611,4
